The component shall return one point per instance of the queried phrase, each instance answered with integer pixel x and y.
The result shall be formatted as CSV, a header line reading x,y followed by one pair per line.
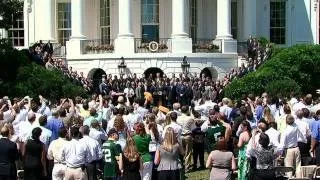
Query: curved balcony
x,y
98,46
163,45
206,46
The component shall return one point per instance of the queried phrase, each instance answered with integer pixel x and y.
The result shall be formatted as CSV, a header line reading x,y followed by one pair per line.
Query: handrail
x,y
142,45
97,46
203,45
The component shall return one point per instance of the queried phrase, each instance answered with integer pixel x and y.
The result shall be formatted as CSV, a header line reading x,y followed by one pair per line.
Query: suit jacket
x,y
8,156
172,93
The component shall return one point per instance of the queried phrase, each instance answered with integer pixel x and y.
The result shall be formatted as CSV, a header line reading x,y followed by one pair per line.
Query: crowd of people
x,y
257,54
42,53
101,138
158,127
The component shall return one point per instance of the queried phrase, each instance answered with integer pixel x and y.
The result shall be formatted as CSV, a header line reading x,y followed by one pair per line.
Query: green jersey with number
x,y
213,133
110,151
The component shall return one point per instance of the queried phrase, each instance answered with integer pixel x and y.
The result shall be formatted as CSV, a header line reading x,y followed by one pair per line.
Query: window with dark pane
x,y
278,22
150,20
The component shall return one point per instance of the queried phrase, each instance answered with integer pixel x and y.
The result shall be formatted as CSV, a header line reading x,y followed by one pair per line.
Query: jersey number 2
x,y
107,155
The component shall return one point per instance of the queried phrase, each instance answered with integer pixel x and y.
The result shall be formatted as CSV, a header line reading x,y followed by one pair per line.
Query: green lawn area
x,y
199,175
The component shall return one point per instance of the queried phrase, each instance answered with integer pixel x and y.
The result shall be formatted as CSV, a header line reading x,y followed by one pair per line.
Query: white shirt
x,y
187,123
55,148
129,92
25,129
289,138
45,136
21,116
74,153
304,129
204,108
141,111
274,137
176,128
97,135
226,110
95,151
298,106
308,121
132,119
110,123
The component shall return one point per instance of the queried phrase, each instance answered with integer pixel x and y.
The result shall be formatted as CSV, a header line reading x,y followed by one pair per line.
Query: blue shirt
x,y
259,112
315,130
54,125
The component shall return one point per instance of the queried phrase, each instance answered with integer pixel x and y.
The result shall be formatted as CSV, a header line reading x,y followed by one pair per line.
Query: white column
x,y
124,42
77,18
224,19
249,19
180,41
74,45
48,16
125,23
179,16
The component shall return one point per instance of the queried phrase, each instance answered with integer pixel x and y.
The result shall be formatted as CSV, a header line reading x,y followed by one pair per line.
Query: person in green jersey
x,y
142,140
214,131
111,153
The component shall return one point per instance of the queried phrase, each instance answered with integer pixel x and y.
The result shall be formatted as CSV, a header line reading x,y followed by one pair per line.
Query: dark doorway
x,y
153,71
209,72
96,76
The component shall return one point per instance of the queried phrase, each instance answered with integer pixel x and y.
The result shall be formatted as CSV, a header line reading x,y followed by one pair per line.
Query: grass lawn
x,y
198,175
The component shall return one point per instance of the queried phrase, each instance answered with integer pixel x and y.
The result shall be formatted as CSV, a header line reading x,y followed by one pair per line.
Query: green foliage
x,y
283,88
10,10
263,41
294,69
10,60
19,77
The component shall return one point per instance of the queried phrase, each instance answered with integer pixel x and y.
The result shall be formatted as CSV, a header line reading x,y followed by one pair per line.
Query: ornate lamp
x,y
185,65
122,66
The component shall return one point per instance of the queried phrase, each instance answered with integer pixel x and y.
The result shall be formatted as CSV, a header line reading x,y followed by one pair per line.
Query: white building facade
x,y
159,34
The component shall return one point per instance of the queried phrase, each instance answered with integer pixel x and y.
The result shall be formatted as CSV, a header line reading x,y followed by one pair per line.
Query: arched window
x,y
105,20
150,20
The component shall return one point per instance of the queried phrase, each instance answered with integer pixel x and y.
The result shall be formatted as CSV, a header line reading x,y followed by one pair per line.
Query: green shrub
x,y
283,88
263,41
299,65
20,77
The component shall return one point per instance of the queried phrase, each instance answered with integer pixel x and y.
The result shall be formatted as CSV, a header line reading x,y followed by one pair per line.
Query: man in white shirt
x,y
54,149
132,119
273,134
75,154
303,141
96,133
25,127
205,107
95,152
289,144
188,124
46,133
225,109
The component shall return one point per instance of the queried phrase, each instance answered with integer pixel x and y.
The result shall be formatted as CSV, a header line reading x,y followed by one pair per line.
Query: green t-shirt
x,y
212,134
110,150
142,144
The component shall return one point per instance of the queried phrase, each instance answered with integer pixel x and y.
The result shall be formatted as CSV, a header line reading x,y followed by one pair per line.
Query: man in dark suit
x,y
8,156
172,93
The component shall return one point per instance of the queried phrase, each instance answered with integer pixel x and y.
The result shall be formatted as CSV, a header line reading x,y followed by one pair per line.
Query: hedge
x,y
294,69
